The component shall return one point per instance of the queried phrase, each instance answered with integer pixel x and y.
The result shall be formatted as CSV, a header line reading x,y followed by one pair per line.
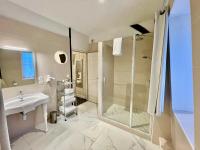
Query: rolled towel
x,y
69,91
67,98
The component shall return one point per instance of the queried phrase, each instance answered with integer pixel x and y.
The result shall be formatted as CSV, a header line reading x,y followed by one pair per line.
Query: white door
x,y
93,77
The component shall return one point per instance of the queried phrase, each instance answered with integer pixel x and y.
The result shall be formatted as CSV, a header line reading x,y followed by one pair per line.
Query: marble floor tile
x,y
140,119
82,132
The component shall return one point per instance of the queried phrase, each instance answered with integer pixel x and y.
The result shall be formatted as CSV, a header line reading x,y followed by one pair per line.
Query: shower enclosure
x,y
124,82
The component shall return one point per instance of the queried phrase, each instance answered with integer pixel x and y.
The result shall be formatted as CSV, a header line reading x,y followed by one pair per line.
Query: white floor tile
x,y
82,132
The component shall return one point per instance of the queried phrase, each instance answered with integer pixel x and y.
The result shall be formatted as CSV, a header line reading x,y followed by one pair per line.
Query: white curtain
x,y
4,136
158,65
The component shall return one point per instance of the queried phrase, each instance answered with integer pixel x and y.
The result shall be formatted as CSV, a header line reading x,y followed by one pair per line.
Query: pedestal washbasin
x,y
28,103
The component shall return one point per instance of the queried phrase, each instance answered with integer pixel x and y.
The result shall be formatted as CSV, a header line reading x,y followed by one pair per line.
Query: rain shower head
x,y
140,28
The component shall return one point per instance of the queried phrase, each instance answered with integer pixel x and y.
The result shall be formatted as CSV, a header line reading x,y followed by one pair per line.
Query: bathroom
x,y
111,65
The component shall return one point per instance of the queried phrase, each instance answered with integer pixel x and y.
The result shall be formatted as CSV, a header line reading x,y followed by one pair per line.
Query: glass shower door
x,y
126,79
117,73
140,119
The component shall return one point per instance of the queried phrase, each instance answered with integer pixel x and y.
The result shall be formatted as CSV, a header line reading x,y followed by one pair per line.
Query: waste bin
x,y
53,117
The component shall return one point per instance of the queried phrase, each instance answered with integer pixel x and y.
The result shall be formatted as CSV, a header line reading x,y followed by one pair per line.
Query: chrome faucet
x,y
21,96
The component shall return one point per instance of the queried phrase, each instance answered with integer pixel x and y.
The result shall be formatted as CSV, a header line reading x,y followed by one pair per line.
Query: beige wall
x,y
44,44
195,11
93,47
143,48
92,56
123,70
122,73
80,41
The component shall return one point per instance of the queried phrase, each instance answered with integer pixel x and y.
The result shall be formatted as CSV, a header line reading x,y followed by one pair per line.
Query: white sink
x,y
29,103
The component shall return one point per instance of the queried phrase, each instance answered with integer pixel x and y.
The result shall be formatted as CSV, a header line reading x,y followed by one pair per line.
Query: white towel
x,y
69,91
117,46
67,99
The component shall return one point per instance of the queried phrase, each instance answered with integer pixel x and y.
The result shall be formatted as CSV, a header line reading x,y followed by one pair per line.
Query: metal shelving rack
x,y
66,101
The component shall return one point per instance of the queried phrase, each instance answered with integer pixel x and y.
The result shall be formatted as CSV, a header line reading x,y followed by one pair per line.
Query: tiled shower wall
x,y
123,68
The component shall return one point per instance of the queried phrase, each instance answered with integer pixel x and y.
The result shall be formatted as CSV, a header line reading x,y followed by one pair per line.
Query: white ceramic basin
x,y
29,103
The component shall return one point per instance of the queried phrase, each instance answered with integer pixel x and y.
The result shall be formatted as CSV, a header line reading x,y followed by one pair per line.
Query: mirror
x,y
79,70
61,57
17,68
79,73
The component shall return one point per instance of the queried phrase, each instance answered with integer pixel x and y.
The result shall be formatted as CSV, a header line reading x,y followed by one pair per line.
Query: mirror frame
x,y
57,59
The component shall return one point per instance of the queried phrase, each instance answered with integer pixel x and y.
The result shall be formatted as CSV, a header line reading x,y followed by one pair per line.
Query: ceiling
x,y
92,17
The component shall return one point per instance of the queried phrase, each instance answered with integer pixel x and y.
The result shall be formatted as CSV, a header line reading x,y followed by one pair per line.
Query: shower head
x,y
140,28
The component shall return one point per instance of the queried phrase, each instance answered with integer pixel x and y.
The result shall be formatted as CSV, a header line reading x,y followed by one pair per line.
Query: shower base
x,y
119,113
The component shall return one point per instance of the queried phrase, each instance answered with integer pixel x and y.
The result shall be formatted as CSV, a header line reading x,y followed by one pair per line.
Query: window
x,y
181,56
28,68
181,66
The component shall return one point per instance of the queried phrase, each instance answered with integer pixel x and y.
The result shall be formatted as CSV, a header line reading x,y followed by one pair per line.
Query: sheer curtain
x,y
158,65
4,136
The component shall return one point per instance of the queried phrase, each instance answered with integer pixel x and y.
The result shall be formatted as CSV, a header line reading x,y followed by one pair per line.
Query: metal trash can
x,y
53,117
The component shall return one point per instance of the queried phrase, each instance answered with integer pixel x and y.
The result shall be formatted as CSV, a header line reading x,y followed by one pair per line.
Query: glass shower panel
x,y
117,72
141,81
